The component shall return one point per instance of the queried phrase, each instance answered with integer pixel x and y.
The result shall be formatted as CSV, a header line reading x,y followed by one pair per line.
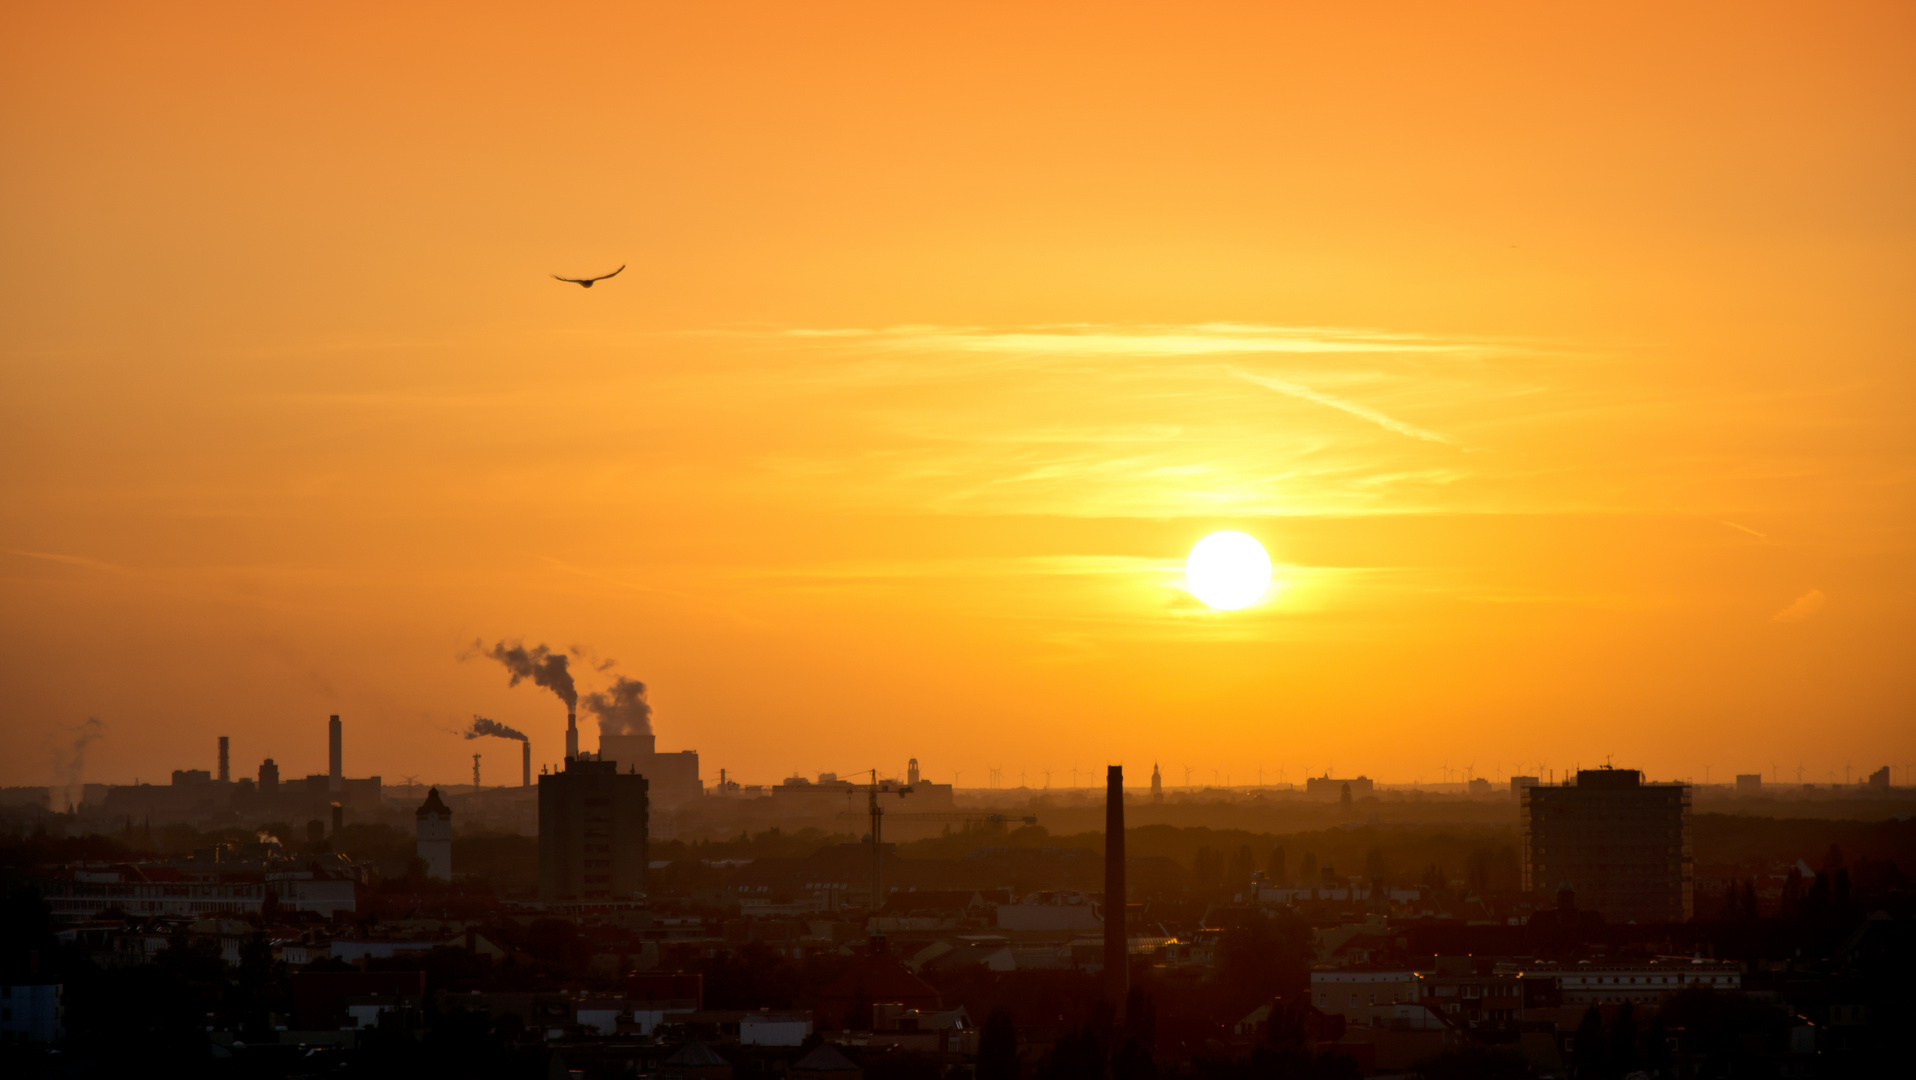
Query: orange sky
x,y
1561,359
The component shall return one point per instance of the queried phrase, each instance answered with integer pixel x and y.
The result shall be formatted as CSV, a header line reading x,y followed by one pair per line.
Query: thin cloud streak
x,y
1305,393
1805,606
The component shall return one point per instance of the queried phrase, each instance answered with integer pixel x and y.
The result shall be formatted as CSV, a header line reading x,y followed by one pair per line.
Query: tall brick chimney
x,y
335,772
1117,974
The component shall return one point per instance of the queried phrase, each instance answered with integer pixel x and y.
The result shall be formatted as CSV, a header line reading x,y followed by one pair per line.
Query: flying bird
x,y
586,283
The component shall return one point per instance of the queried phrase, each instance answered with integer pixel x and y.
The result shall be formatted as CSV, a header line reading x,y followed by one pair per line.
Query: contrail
x,y
1305,393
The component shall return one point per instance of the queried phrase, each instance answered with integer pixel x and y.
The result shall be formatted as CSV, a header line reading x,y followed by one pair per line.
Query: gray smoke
x,y
69,764
482,726
622,710
540,664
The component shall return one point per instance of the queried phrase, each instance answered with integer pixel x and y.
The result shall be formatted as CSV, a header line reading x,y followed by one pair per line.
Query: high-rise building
x,y
1622,845
1157,784
1749,783
592,821
268,777
433,835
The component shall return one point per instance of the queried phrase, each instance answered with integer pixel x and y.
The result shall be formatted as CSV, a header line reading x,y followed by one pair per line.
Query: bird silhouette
x,y
586,283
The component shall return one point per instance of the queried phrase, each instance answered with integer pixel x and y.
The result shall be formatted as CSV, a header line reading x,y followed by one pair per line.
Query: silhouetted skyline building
x,y
432,835
673,778
592,833
1623,846
1328,787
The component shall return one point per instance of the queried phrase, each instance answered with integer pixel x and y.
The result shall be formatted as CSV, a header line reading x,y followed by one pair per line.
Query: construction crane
x,y
876,814
872,791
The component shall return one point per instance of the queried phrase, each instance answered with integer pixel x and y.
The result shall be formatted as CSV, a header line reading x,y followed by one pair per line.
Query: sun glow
x,y
1228,570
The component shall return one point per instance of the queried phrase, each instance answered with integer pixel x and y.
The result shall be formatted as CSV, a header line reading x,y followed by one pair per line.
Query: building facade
x,y
592,833
1622,845
32,1013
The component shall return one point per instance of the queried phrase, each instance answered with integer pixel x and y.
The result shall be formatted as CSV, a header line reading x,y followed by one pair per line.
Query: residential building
x,y
1364,997
1646,983
592,833
1622,845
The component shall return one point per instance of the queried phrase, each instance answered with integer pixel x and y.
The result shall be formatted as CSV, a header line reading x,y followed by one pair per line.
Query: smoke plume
x,y
622,710
69,764
482,726
540,664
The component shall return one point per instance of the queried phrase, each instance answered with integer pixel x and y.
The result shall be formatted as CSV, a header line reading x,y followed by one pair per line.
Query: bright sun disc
x,y
1228,570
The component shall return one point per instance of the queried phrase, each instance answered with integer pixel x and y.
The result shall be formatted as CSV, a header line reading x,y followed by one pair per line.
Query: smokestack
x,y
226,773
1116,964
335,773
525,764
571,735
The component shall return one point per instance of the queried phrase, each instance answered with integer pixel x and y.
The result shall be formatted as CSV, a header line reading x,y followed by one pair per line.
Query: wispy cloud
x,y
1805,606
70,560
1362,412
1201,339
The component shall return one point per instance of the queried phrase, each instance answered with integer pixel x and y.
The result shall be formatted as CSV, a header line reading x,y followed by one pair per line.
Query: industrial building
x,y
592,833
673,778
1621,844
1328,787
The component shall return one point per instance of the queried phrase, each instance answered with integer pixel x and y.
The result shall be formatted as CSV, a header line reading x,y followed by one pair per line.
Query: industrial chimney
x,y
335,773
1116,965
571,735
525,763
226,772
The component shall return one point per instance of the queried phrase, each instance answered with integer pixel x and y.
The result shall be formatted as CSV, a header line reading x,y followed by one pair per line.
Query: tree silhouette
x,y
998,1048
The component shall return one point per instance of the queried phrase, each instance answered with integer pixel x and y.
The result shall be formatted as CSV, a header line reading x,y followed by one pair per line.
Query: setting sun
x,y
1228,570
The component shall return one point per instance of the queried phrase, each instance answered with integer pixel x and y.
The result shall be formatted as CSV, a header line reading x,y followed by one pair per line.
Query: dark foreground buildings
x,y
592,833
1623,846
